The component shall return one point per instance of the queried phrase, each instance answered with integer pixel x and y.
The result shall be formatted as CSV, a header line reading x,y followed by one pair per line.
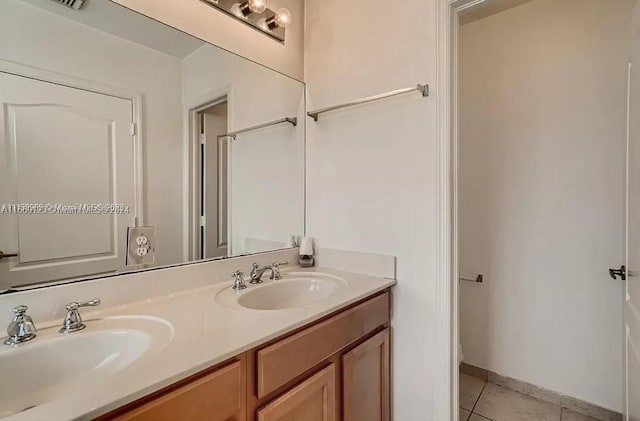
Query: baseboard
x,y
474,371
574,404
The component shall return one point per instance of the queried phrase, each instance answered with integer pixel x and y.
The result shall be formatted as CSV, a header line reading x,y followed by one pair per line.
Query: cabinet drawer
x,y
284,360
312,400
217,396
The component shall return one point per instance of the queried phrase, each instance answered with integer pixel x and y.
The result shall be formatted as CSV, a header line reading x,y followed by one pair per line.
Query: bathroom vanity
x,y
312,345
335,368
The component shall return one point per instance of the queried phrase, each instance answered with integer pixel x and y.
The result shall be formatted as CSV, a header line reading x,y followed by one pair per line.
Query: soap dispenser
x,y
306,252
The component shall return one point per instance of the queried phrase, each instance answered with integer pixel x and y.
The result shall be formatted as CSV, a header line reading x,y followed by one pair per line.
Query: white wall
x,y
542,143
96,56
371,170
266,195
202,21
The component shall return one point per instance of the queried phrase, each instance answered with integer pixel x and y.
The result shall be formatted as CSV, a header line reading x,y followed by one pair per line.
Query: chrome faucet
x,y
257,272
73,320
238,280
21,329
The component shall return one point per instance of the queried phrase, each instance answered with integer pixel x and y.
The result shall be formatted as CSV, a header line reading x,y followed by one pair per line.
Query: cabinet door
x,y
217,396
365,380
312,400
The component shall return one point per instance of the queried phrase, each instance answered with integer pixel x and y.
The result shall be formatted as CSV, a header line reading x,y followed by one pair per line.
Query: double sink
x,y
54,365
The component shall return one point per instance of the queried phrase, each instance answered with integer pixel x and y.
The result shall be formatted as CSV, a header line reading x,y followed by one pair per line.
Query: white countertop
x,y
205,333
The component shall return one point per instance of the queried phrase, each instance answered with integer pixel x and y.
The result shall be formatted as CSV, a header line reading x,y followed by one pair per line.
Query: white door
x,y
69,147
215,183
632,298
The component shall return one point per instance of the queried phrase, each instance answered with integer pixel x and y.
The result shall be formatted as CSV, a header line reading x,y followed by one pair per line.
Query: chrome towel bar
x,y
291,120
423,89
478,279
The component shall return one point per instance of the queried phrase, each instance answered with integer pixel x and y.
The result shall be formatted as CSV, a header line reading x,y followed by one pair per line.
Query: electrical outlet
x,y
140,245
142,240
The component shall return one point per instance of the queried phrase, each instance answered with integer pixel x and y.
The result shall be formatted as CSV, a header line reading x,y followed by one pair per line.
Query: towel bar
x,y
478,279
423,89
291,120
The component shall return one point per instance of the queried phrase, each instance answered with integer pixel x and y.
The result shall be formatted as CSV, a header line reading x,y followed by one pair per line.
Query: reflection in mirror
x,y
123,146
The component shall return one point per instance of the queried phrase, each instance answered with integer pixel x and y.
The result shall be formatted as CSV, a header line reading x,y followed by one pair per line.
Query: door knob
x,y
622,273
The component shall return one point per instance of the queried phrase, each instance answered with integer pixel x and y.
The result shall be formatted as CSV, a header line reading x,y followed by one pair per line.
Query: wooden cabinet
x,y
334,369
365,380
312,400
216,395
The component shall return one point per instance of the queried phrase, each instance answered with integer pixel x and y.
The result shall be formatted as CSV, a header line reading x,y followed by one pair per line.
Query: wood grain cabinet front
x,y
312,400
219,395
365,380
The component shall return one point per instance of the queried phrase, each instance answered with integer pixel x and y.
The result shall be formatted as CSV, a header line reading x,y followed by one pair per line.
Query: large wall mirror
x,y
128,145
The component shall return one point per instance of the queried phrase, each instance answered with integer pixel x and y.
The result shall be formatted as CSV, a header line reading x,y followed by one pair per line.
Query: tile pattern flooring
x,y
482,401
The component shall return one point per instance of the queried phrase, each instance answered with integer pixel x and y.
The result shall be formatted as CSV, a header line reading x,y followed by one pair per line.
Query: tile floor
x,y
482,401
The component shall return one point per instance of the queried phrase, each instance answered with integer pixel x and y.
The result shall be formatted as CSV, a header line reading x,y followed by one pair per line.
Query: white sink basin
x,y
53,365
295,289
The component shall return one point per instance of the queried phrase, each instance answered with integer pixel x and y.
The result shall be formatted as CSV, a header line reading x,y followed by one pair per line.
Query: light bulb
x,y
257,6
251,6
283,17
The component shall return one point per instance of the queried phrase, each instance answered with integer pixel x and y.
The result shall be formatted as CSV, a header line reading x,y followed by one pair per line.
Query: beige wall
x,y
371,170
542,149
202,21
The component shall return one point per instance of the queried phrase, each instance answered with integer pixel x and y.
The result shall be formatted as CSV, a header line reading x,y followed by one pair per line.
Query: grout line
x,y
468,416
478,399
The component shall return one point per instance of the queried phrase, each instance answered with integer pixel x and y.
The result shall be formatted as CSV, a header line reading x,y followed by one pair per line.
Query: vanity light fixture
x,y
74,4
256,14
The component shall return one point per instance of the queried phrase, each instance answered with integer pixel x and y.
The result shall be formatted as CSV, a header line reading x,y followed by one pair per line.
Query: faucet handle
x,y
276,270
238,281
20,310
73,321
75,305
22,328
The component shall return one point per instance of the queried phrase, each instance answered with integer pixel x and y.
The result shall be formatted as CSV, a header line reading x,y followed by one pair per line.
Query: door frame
x,y
447,328
191,180
137,131
634,29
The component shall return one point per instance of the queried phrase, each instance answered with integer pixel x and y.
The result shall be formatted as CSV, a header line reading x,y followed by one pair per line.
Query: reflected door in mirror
x,y
214,160
65,153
